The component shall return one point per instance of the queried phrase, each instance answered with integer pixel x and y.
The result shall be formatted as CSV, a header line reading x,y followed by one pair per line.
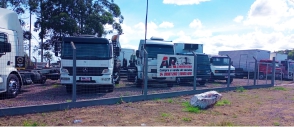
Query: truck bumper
x,y
191,78
222,77
152,77
87,80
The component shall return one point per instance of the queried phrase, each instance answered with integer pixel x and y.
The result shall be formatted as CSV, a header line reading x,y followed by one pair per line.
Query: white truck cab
x,y
154,46
11,45
95,62
219,65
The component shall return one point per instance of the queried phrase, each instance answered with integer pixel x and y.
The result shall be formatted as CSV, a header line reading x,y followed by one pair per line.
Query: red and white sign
x,y
174,65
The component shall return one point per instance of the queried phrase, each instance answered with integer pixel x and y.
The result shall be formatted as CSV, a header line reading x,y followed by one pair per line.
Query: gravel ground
x,y
52,92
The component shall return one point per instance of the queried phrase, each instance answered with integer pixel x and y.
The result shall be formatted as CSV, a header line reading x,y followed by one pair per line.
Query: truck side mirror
x,y
137,53
5,47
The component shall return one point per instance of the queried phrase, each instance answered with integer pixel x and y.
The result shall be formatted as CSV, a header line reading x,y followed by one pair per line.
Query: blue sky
x,y
218,24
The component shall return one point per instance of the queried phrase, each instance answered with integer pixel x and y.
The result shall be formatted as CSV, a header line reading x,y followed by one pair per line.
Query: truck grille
x,y
86,71
153,70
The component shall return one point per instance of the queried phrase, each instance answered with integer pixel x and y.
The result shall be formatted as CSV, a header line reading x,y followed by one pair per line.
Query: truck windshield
x,y
154,49
220,61
87,51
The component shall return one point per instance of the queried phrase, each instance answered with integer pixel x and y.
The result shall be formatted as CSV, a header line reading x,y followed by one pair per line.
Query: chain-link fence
x,y
85,73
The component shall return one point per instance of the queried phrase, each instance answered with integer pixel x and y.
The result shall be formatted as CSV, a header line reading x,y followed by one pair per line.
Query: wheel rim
x,y
261,76
13,86
178,80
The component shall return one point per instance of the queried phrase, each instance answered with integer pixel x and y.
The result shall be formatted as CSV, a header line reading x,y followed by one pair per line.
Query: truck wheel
x,y
202,83
68,88
13,86
110,89
261,76
138,82
178,80
231,80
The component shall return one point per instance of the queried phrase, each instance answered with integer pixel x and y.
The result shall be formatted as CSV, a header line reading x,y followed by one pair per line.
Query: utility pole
x,y
146,23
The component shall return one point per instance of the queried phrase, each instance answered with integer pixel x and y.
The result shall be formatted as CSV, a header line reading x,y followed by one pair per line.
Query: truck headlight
x,y
63,70
105,71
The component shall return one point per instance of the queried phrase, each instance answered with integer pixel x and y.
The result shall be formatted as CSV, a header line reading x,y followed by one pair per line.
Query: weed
x,y
127,94
68,101
190,108
240,89
235,116
165,114
121,100
55,85
223,102
170,100
30,123
156,99
280,88
43,114
276,124
187,119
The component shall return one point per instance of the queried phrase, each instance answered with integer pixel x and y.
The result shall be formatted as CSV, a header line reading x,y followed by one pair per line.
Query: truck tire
x,y
178,80
138,82
110,89
231,80
13,86
261,76
202,83
68,88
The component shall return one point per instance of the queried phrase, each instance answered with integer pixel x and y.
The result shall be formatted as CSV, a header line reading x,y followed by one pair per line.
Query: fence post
x,y
229,72
256,69
145,74
273,71
266,73
74,85
195,71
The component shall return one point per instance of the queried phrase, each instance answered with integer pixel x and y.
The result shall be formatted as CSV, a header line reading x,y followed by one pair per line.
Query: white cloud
x,y
202,33
270,14
238,18
196,23
184,2
166,25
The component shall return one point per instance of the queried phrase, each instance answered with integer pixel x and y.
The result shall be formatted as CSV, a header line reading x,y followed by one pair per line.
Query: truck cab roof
x,y
86,39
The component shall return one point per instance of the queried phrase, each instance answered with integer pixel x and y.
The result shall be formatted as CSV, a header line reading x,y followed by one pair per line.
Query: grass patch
x,y
31,123
56,85
280,88
276,124
240,89
190,108
223,102
170,100
165,114
186,119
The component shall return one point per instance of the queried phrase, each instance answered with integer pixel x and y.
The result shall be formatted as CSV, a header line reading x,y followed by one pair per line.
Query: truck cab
x,y
287,69
95,62
219,65
11,45
265,69
153,46
203,64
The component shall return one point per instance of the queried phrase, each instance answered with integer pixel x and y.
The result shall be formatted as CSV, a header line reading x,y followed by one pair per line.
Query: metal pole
x,y
255,68
273,71
146,24
145,74
229,72
266,73
74,87
195,71
30,37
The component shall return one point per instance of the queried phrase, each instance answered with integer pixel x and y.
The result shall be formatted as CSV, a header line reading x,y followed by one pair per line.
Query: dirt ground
x,y
259,107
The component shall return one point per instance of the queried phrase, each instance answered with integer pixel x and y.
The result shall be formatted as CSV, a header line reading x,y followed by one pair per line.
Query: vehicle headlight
x,y
63,70
105,71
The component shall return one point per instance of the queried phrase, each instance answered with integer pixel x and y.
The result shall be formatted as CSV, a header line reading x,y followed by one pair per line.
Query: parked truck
x,y
203,64
287,65
11,45
219,65
96,62
153,46
244,62
125,55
